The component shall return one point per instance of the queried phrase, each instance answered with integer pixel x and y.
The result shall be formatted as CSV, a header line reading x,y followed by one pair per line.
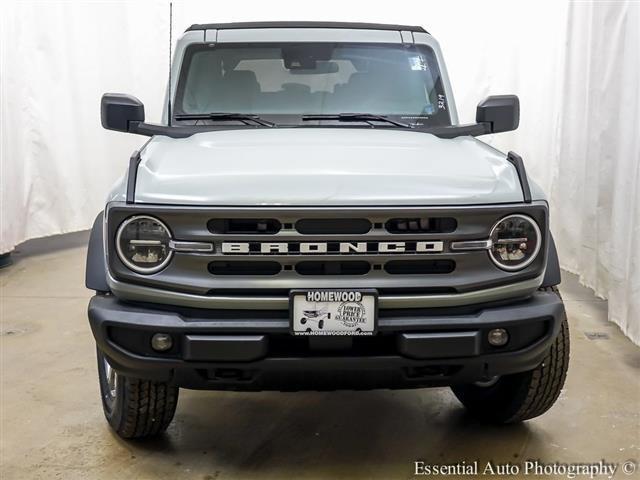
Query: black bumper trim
x,y
224,348
234,354
439,345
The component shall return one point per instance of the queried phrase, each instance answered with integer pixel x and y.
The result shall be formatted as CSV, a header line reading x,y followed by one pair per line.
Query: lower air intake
x,y
417,267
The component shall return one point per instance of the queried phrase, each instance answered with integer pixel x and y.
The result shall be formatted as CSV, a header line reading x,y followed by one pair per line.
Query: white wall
x,y
595,189
56,61
574,67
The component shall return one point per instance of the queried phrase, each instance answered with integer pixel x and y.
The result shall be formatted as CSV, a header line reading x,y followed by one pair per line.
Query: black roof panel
x,y
350,25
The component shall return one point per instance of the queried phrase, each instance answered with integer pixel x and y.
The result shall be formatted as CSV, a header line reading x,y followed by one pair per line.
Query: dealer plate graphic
x,y
333,312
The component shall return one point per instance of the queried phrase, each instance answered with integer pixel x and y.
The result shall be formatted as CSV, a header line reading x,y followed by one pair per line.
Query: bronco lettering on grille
x,y
319,248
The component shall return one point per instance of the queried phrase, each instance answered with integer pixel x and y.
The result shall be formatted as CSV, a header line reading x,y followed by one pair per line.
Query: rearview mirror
x,y
118,110
501,112
319,68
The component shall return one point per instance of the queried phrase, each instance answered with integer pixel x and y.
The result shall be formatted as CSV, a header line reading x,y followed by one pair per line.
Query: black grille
x,y
422,225
333,268
244,226
415,267
244,268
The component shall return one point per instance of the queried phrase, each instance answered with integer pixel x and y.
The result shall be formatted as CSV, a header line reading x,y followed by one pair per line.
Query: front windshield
x,y
290,80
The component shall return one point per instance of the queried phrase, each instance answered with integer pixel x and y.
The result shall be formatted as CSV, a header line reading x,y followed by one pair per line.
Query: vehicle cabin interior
x,y
310,79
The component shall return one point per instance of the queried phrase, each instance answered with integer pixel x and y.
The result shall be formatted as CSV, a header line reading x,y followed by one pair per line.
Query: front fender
x,y
552,274
96,270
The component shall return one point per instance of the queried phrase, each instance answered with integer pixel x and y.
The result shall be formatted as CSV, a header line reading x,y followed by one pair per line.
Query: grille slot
x,y
244,268
331,226
416,267
244,226
421,225
333,268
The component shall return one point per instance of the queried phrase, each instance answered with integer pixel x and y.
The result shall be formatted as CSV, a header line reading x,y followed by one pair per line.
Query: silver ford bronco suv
x,y
310,215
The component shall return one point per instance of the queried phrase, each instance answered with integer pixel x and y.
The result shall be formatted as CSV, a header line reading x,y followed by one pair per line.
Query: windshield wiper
x,y
356,117
222,116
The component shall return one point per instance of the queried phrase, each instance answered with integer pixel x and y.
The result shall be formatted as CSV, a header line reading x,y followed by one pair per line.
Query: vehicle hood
x,y
323,166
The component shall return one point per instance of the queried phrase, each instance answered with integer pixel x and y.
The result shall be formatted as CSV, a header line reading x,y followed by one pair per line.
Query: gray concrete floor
x,y
52,423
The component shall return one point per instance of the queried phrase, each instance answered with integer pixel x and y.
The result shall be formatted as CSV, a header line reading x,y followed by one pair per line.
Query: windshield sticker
x,y
441,102
418,63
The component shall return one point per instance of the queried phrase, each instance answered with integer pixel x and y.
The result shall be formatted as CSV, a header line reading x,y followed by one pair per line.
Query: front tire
x,y
522,396
133,407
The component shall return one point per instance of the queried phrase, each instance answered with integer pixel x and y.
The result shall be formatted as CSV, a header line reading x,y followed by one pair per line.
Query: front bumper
x,y
253,350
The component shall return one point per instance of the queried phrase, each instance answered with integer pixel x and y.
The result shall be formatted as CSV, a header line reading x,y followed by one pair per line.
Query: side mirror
x,y
500,112
118,110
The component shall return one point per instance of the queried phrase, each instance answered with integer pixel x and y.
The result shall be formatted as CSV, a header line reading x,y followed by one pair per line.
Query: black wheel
x,y
303,320
519,397
135,408
321,324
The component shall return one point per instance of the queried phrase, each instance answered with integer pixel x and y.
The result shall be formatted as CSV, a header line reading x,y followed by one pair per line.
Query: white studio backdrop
x,y
575,67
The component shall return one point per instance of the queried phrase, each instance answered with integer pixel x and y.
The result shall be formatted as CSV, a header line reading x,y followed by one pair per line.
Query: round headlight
x,y
515,242
142,244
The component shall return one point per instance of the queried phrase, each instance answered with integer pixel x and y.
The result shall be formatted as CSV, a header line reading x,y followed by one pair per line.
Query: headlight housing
x,y
515,242
142,243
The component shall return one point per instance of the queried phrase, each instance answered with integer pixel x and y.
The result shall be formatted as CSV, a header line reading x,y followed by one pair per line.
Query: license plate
x,y
333,312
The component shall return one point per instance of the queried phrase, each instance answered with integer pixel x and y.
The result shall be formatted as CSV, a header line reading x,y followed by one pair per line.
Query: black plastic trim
x,y
446,131
453,131
108,310
419,267
382,370
96,269
244,226
501,112
225,348
518,163
151,129
347,25
119,110
134,161
231,267
439,344
345,267
552,275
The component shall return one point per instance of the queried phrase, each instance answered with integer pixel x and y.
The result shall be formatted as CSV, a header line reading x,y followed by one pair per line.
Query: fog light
x,y
498,337
161,342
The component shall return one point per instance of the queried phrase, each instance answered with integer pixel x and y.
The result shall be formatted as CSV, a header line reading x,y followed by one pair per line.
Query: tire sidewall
x,y
113,409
